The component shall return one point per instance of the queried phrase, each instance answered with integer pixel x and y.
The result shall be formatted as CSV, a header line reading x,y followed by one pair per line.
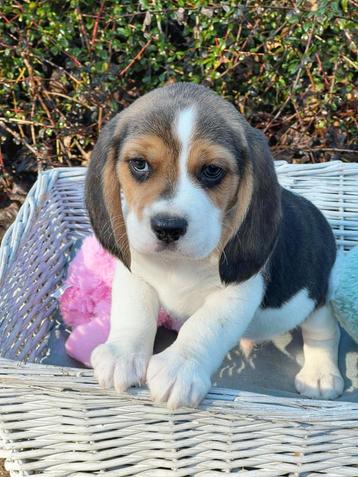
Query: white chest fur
x,y
182,285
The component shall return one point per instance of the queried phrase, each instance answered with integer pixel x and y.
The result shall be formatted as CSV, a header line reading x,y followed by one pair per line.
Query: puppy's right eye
x,y
140,169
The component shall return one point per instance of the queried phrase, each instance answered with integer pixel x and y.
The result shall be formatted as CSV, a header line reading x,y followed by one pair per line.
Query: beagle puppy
x,y
183,191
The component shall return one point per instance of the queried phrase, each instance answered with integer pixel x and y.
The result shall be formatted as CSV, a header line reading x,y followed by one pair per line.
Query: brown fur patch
x,y
163,159
238,210
233,194
112,194
204,152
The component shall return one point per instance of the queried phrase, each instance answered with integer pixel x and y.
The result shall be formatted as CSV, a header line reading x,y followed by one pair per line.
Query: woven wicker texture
x,y
56,421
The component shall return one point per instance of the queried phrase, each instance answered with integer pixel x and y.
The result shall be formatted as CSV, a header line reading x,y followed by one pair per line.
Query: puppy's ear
x,y
256,215
103,194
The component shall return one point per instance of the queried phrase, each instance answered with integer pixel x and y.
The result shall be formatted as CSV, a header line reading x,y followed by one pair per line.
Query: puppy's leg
x,y
122,361
180,375
320,377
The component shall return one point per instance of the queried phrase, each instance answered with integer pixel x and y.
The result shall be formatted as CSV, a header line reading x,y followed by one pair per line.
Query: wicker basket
x,y
56,421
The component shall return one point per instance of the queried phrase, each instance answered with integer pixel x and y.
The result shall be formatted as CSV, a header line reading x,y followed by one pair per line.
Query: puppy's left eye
x,y
139,168
211,175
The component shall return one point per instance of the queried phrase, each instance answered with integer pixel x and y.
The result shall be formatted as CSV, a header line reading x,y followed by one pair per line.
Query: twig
x,y
317,149
136,58
59,112
86,155
2,165
66,152
24,122
73,78
352,44
33,136
17,136
5,178
333,82
349,61
100,118
331,149
84,36
48,114
323,73
95,28
53,93
72,58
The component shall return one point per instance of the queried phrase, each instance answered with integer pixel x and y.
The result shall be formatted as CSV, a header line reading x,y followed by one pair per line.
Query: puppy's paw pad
x,y
319,384
181,382
115,366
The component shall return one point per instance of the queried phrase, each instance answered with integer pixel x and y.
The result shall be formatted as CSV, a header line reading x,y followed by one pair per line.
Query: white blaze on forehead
x,y
190,200
184,127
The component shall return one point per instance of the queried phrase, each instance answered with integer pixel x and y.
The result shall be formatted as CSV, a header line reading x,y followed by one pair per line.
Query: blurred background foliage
x,y
66,66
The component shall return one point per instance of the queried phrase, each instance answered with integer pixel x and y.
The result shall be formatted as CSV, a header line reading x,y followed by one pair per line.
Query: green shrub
x,y
68,65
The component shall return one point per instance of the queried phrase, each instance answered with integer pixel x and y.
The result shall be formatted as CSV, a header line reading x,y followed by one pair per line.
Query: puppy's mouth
x,y
166,247
173,251
170,247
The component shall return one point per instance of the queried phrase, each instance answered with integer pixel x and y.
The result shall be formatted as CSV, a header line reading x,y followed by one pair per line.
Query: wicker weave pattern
x,y
57,422
232,432
35,252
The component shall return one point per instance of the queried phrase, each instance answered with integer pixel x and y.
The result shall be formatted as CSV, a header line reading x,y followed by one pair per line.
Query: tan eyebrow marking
x,y
163,159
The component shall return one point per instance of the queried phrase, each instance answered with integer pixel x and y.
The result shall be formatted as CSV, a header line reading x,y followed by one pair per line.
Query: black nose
x,y
168,229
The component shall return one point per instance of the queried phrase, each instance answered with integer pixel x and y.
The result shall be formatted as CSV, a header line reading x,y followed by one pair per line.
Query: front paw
x,y
179,381
319,383
115,365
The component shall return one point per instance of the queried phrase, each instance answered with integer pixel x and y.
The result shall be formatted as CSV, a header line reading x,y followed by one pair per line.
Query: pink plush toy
x,y
85,304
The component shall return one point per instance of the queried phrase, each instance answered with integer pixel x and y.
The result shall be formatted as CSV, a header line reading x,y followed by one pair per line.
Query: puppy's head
x,y
196,180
